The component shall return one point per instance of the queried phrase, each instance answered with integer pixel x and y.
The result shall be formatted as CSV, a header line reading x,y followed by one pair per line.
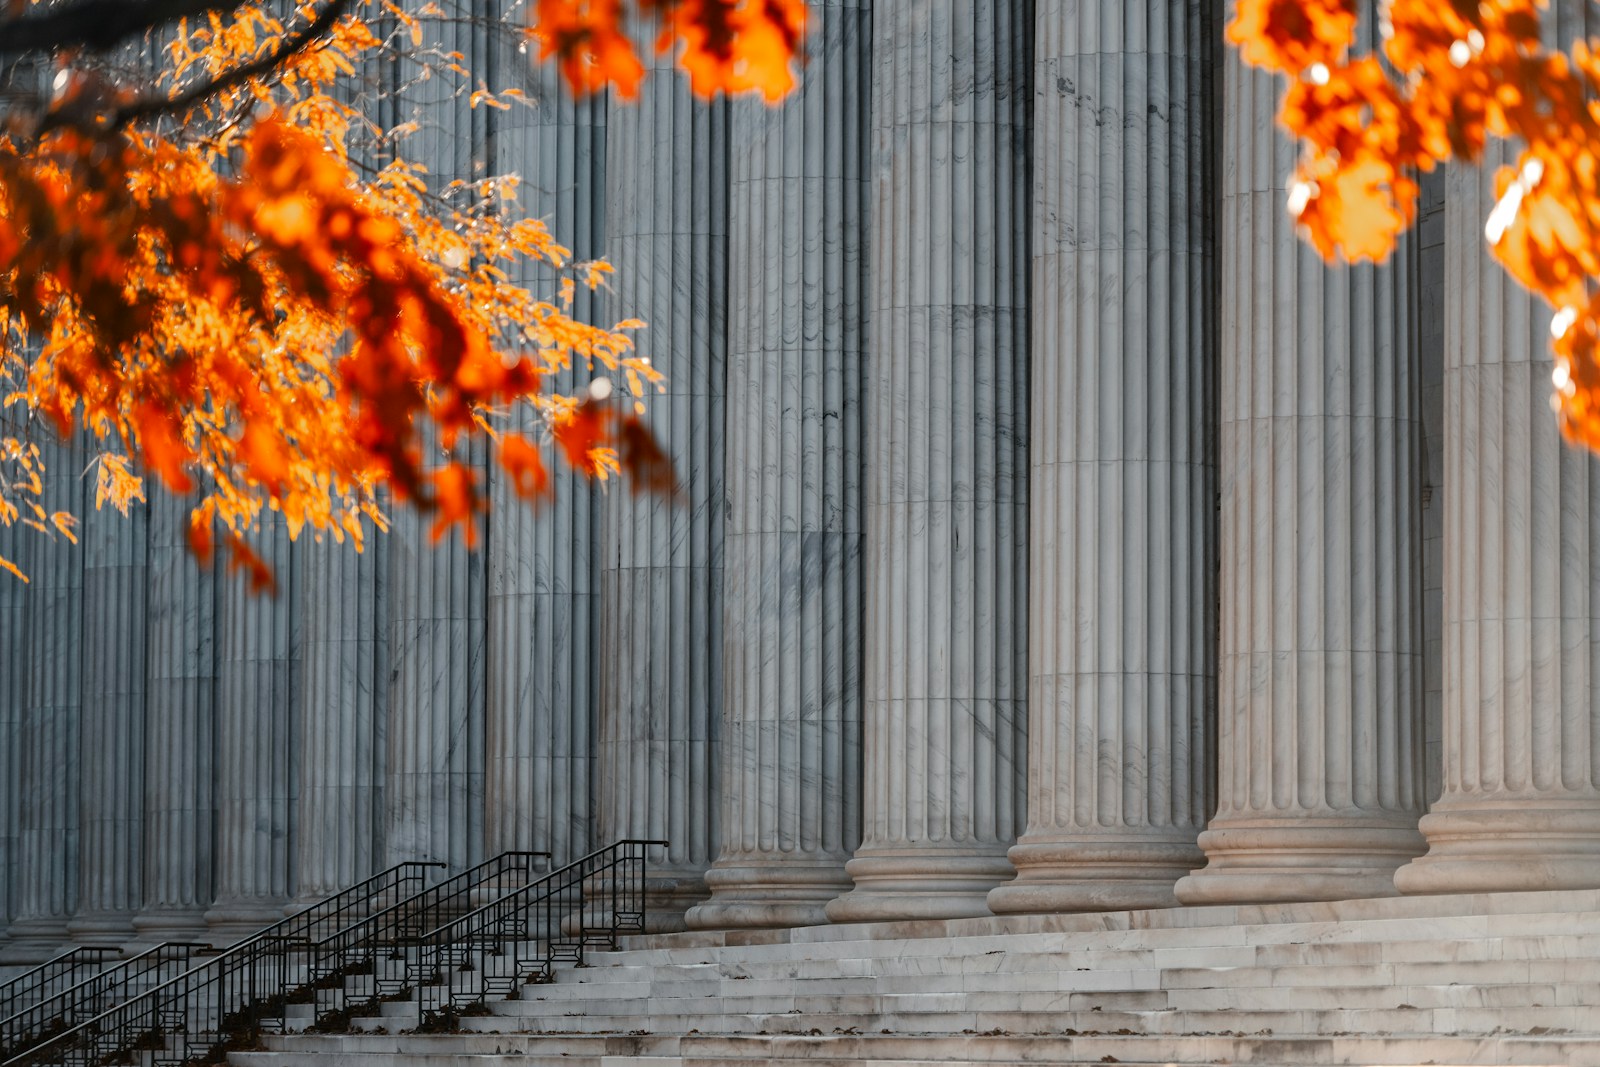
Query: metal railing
x,y
50,978
56,1014
225,1001
376,958
518,939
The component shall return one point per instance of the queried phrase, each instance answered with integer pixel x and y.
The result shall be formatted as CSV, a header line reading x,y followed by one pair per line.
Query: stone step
x,y
906,1051
911,1018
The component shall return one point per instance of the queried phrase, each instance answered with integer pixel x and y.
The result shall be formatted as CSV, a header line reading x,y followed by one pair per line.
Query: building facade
x,y
1057,533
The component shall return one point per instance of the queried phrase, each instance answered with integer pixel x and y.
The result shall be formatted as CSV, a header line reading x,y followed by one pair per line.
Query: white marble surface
x,y
180,724
791,747
661,581
1121,655
1320,681
946,497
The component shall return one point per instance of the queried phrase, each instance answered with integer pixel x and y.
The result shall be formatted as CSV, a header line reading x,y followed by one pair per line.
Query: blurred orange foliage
x,y
1452,75
221,297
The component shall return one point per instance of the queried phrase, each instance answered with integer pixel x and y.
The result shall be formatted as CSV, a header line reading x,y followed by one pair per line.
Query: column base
x,y
920,883
1093,872
1509,846
102,928
747,893
1287,861
36,940
231,921
172,924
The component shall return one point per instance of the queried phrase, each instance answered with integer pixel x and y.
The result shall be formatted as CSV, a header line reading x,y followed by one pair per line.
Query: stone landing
x,y
1479,979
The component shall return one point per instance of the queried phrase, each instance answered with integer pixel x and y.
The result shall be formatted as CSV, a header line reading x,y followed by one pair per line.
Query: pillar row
x,y
945,565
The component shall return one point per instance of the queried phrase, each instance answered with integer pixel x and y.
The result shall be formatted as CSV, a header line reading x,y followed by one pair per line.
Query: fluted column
x,y
1521,803
47,882
791,743
338,801
16,546
543,624
256,722
1320,721
1121,553
434,786
437,627
946,441
660,666
116,550
181,671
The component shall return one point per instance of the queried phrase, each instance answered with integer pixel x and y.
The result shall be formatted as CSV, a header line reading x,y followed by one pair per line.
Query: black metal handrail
x,y
66,1009
52,976
372,959
518,939
224,1001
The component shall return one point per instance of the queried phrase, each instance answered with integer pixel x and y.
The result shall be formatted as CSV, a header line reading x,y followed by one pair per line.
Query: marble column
x,y
116,558
434,772
15,545
946,457
48,839
1320,722
257,707
181,672
434,790
791,630
1121,553
1520,808
660,663
343,665
543,623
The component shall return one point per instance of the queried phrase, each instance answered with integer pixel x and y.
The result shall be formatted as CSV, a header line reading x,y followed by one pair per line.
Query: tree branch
x,y
152,106
97,24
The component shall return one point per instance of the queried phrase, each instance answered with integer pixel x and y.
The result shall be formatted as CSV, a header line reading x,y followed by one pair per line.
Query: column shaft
x,y
1319,748
1121,555
47,877
946,430
339,798
437,627
16,546
181,671
661,565
791,743
434,789
542,619
116,550
256,723
1520,809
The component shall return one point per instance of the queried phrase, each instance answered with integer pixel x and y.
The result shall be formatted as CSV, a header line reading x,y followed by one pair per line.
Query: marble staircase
x,y
1473,979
